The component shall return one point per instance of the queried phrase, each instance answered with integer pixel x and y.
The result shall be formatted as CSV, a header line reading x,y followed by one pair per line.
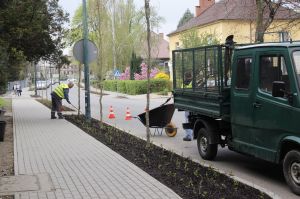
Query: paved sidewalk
x,y
78,165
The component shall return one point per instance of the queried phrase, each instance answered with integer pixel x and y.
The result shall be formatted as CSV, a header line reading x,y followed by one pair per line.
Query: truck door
x,y
241,102
270,113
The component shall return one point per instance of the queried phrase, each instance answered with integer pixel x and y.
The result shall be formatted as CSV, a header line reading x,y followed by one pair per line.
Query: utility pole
x,y
85,62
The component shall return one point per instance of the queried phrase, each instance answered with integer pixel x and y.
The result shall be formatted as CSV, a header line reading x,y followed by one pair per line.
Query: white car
x,y
72,80
41,84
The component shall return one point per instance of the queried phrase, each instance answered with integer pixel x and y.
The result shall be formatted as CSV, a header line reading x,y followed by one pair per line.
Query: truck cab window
x,y
296,58
272,68
243,73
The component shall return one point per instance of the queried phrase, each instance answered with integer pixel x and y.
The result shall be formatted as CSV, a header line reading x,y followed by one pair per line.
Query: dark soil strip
x,y
187,178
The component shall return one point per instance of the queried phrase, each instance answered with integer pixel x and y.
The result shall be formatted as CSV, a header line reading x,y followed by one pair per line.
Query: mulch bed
x,y
184,176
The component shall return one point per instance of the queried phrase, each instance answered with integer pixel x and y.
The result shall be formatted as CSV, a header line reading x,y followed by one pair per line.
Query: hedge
x,y
136,87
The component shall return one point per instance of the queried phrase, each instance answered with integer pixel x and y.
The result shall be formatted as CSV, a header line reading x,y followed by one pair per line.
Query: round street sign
x,y
78,51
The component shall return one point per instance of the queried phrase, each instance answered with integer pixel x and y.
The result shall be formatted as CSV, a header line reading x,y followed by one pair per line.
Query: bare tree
x,y
261,23
147,14
266,12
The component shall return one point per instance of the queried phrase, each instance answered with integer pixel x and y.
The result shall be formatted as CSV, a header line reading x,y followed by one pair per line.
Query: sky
x,y
170,10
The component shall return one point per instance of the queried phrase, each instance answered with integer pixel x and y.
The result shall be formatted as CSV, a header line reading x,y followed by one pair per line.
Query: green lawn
x,y
6,104
2,102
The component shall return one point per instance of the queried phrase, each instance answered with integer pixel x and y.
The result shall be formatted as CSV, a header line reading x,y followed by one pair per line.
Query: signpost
x,y
79,51
117,73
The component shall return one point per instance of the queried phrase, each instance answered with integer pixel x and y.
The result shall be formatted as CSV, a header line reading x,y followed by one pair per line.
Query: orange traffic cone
x,y
111,113
128,116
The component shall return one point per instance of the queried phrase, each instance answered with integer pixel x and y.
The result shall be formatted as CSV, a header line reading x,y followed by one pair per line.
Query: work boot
x,y
53,115
60,116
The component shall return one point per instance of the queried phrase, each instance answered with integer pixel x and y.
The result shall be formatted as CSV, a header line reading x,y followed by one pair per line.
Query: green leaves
x,y
31,30
185,18
192,38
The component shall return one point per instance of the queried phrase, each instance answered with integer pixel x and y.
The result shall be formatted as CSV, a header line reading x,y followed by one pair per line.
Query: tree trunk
x,y
113,32
262,24
147,12
259,36
100,57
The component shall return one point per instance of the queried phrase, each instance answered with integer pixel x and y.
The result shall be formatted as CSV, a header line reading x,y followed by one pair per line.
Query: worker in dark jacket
x,y
60,92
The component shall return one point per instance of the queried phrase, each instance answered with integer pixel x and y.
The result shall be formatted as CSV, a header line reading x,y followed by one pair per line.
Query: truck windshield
x,y
296,57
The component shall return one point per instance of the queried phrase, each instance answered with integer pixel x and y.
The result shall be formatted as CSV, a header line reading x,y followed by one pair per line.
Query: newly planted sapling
x,y
178,164
197,173
189,183
186,168
236,184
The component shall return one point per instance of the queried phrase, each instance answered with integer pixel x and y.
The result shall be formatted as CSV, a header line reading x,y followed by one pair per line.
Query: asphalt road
x,y
267,176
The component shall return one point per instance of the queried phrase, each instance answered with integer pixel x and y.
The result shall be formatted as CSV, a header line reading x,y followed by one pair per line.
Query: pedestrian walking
x,y
15,89
19,90
60,92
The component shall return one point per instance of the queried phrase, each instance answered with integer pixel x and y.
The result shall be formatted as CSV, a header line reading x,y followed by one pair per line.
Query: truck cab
x,y
244,97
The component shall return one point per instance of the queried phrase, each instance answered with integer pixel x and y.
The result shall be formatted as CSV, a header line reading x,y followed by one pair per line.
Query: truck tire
x,y
207,151
291,170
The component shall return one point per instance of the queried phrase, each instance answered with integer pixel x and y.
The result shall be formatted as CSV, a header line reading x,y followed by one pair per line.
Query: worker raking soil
x,y
60,92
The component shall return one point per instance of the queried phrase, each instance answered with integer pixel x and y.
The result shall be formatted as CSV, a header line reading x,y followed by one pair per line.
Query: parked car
x,y
41,84
72,80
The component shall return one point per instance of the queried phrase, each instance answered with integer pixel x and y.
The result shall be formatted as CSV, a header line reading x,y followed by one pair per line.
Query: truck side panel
x,y
208,93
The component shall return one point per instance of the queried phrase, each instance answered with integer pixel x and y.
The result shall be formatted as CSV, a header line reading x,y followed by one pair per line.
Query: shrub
x,y
143,74
158,85
110,85
126,74
121,86
136,87
162,76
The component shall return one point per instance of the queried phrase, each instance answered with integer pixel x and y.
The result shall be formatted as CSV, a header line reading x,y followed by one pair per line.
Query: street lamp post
x,y
85,62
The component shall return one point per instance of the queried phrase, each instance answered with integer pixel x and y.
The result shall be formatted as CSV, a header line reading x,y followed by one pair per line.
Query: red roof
x,y
232,10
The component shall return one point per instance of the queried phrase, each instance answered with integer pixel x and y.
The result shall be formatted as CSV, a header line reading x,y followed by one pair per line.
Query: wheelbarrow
x,y
160,119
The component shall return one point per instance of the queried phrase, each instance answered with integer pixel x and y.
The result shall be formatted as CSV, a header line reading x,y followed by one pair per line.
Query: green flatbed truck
x,y
244,97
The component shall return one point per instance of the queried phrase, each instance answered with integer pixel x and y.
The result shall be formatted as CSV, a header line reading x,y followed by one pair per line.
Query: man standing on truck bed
x,y
59,93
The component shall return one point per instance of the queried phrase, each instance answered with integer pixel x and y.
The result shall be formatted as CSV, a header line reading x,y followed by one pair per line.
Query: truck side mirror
x,y
278,89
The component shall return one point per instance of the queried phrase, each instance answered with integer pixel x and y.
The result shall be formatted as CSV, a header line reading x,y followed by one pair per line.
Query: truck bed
x,y
204,103
208,92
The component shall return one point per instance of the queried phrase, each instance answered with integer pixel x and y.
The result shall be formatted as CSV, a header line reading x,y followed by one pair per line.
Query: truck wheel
x,y
291,170
207,151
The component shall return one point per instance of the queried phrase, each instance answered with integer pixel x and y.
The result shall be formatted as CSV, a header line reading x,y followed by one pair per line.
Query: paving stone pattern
x,y
79,165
